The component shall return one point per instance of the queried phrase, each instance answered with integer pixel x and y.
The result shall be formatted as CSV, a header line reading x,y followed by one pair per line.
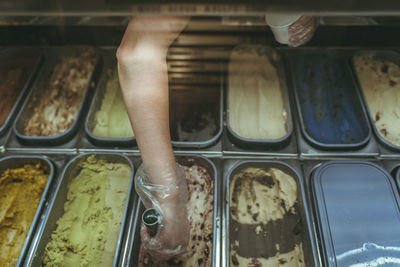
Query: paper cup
x,y
279,23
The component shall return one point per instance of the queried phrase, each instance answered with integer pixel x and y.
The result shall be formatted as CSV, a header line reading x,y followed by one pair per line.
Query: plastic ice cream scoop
x,y
152,220
279,23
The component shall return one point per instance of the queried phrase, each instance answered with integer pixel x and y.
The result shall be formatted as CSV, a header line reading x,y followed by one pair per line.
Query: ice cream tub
x,y
377,75
107,123
196,115
54,108
267,220
19,66
258,109
329,108
18,224
356,206
206,251
92,198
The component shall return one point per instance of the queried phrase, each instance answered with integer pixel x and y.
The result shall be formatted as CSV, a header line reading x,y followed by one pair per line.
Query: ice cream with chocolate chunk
x,y
201,212
55,106
265,226
380,83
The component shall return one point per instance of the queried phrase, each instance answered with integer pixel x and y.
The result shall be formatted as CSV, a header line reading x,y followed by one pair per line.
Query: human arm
x,y
143,75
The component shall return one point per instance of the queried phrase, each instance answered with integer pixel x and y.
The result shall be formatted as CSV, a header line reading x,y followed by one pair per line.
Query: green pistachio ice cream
x,y
87,232
111,120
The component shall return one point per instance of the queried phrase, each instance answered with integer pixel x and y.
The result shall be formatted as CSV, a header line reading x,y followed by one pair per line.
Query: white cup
x,y
279,23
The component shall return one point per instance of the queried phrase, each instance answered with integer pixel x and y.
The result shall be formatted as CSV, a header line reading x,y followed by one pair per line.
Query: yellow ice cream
x,y
256,106
20,193
380,83
87,232
265,227
111,120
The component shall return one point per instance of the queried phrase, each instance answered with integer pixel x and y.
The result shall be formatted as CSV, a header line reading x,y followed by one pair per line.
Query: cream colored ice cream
x,y
201,212
87,232
265,228
380,83
256,105
20,193
111,120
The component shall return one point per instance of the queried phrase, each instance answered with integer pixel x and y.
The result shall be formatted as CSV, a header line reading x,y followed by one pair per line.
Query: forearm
x,y
146,97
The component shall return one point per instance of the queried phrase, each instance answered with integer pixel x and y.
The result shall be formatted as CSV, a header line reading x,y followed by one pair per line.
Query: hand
x,y
173,235
302,30
170,199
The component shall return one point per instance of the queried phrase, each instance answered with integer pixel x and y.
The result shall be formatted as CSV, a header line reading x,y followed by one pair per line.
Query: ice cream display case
x,y
291,155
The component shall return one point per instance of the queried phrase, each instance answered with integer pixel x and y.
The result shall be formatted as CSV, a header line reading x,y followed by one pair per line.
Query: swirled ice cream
x,y
380,83
264,227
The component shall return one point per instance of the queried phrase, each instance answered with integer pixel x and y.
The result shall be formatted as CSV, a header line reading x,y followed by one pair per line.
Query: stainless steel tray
x,y
17,161
306,150
110,64
131,251
53,55
232,166
55,209
269,144
21,52
321,193
197,100
387,150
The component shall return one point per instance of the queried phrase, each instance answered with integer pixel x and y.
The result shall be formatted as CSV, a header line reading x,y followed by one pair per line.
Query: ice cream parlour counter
x,y
251,99
249,210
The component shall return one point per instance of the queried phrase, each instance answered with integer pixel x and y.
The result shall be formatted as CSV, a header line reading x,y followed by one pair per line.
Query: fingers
x,y
302,22
304,34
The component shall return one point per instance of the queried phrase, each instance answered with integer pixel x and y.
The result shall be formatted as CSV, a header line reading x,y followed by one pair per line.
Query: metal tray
x,y
231,167
3,140
110,63
203,98
55,209
274,144
54,55
390,56
355,115
199,53
17,161
131,254
229,149
310,151
372,238
20,52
